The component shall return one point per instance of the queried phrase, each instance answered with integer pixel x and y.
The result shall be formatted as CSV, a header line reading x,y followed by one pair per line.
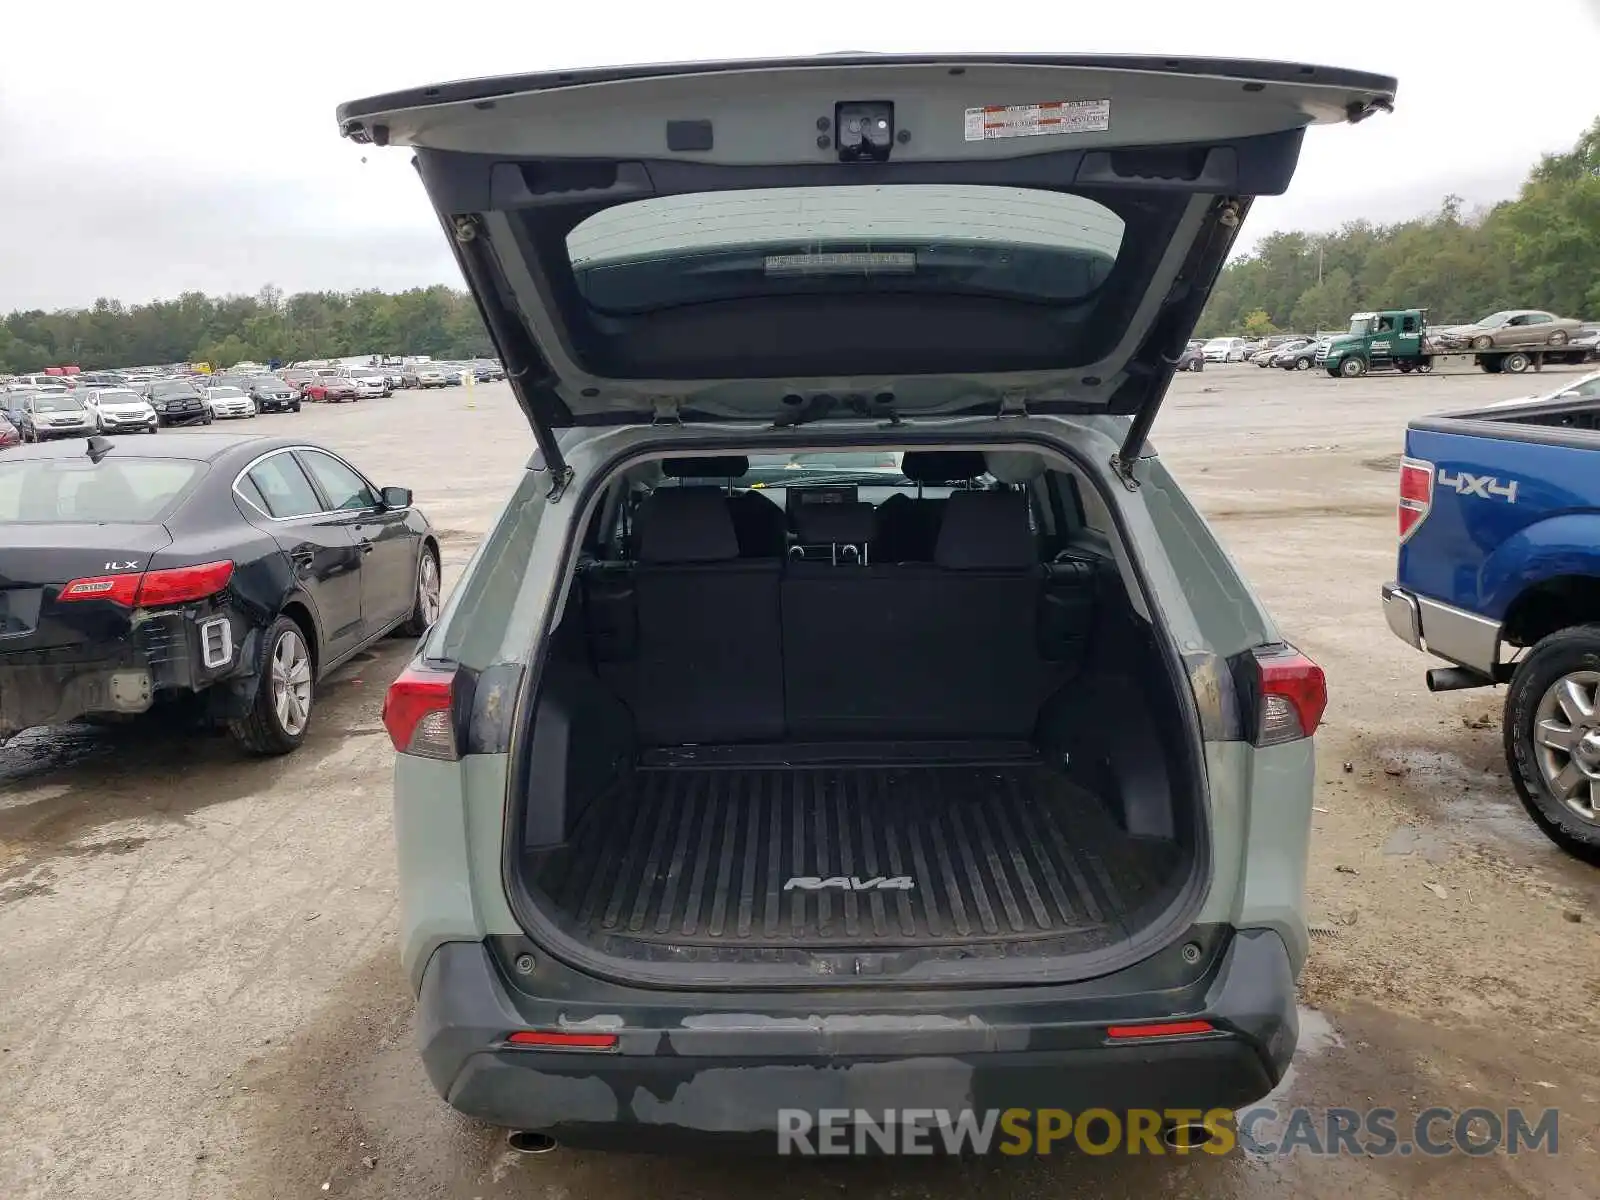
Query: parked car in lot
x,y
1300,358
273,394
243,569
1193,357
178,402
120,410
229,403
330,388
1498,574
1224,350
1268,356
691,822
297,378
50,414
10,435
423,377
370,383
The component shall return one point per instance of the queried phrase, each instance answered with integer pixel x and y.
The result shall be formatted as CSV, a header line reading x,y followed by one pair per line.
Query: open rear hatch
x,y
878,235
831,778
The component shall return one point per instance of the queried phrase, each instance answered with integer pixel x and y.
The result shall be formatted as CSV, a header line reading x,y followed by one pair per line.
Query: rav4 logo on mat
x,y
851,883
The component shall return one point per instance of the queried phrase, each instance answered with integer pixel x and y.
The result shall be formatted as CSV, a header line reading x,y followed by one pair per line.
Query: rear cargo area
x,y
957,747
996,847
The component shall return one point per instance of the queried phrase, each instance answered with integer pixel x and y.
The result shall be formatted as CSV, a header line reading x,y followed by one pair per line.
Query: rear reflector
x,y
418,712
175,585
1163,1029
546,1040
1292,698
119,589
1416,494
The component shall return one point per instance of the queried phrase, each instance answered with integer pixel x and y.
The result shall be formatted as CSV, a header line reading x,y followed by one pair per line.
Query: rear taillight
x,y
175,585
549,1039
419,712
1291,694
1416,494
178,585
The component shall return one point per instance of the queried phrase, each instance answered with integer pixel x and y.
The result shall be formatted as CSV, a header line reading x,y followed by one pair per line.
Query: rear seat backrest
x,y
709,665
936,651
908,526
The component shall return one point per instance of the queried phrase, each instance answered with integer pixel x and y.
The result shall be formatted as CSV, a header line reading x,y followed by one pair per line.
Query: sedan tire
x,y
426,603
285,691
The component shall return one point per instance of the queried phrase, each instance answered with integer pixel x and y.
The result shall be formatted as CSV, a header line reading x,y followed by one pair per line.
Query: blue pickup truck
x,y
1499,576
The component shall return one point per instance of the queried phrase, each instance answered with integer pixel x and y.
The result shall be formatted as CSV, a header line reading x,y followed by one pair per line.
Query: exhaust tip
x,y
529,1141
1188,1136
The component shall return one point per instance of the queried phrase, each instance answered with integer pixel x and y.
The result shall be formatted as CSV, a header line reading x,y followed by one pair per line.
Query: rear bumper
x,y
1443,630
681,1073
176,651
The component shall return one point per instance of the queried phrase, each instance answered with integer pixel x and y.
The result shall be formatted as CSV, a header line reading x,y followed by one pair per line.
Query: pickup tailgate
x,y
1492,502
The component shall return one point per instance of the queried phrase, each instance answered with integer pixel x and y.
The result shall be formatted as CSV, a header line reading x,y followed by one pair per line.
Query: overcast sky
x,y
151,149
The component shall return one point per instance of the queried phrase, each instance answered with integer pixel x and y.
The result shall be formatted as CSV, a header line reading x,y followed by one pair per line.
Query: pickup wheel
x,y
1552,738
1353,367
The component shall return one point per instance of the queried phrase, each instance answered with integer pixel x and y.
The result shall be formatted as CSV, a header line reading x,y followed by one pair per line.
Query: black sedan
x,y
243,569
178,402
1300,358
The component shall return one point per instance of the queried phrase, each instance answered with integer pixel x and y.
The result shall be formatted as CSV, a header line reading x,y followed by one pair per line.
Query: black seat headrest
x,y
942,466
723,466
685,525
986,531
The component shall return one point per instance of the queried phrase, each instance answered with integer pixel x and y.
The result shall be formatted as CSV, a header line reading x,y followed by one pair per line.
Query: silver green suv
x,y
848,713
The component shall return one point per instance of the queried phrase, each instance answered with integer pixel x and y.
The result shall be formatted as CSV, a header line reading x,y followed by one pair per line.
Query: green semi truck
x,y
1400,339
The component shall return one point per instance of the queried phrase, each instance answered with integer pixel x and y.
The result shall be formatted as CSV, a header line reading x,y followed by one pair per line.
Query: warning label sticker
x,y
1031,120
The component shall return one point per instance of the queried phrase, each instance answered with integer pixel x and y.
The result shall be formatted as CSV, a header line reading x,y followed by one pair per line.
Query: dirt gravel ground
x,y
199,992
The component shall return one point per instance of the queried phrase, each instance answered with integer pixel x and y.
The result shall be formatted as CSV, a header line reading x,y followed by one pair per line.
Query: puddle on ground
x,y
1316,1035
1475,802
35,752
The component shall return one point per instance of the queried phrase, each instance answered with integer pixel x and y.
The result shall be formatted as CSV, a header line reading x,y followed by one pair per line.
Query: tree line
x,y
1540,250
437,321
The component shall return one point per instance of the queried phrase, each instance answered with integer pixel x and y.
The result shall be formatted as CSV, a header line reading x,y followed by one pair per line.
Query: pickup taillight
x,y
1416,494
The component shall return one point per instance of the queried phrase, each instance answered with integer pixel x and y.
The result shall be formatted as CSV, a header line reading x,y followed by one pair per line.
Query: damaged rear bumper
x,y
163,653
680,1074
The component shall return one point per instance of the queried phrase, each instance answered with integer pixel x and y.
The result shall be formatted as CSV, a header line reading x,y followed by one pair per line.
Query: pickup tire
x,y
1353,367
1547,738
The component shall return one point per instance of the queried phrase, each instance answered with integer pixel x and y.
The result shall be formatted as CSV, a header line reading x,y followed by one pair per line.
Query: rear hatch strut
x,y
527,372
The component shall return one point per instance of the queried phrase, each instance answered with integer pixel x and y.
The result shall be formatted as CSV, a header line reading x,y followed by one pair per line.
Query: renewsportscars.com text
x,y
1263,1131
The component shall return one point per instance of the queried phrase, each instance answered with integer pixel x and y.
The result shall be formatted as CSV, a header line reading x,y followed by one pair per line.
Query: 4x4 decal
x,y
1486,486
